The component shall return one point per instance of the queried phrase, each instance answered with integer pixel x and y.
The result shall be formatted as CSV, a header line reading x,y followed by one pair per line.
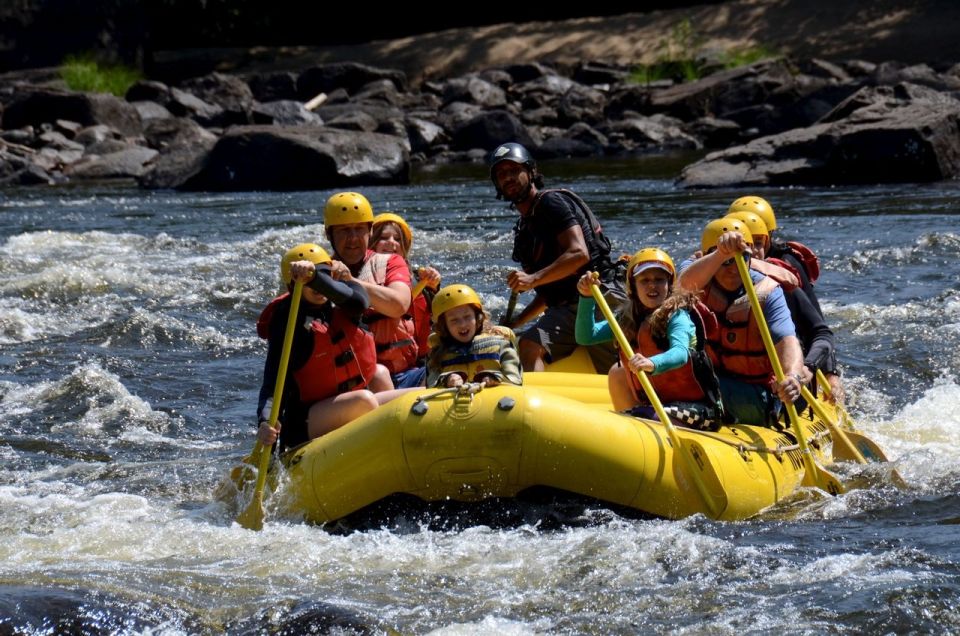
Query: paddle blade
x,y
823,479
239,476
252,517
701,470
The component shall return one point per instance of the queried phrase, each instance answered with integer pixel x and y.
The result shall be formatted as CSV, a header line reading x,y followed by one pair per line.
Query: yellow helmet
x,y
453,296
716,228
754,223
758,206
390,217
303,252
645,259
345,208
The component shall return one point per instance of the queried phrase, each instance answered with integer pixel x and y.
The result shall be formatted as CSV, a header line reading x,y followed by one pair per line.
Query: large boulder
x,y
36,107
347,75
489,129
300,158
907,133
184,147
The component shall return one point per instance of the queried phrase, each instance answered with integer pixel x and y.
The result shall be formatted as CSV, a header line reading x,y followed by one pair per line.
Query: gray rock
x,y
474,90
34,108
128,163
300,158
285,113
151,110
897,134
490,129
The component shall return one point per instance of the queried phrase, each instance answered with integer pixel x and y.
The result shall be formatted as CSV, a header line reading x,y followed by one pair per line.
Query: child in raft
x,y
392,235
467,347
659,322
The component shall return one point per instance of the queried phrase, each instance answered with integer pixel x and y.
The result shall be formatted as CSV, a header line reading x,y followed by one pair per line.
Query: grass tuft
x,y
83,73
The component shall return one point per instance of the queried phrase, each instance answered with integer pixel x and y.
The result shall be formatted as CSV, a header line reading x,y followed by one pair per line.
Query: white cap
x,y
642,267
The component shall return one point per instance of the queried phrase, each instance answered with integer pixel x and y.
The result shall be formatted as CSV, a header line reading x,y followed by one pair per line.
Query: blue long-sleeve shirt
x,y
681,335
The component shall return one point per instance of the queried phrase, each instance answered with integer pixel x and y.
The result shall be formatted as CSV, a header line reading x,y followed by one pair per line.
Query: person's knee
x,y
531,353
381,380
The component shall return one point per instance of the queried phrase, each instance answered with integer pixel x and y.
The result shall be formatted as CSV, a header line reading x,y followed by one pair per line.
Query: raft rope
x,y
469,389
777,451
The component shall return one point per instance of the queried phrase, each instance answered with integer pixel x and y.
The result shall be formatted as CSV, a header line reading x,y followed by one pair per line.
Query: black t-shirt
x,y
535,243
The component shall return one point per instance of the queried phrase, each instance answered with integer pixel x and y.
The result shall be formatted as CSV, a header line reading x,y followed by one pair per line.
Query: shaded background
x,y
36,33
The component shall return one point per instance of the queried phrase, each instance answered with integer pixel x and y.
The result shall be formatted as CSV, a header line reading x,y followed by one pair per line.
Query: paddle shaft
x,y
418,289
511,307
840,438
692,469
812,472
257,500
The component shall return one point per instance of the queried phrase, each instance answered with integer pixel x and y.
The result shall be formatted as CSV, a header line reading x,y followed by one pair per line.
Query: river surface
x,y
129,370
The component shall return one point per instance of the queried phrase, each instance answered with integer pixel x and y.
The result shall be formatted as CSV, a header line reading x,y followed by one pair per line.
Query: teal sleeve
x,y
681,334
588,331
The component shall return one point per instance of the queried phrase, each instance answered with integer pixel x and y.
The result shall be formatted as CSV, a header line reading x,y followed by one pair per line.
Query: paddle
x,y
511,307
418,289
813,475
700,471
843,448
252,517
863,446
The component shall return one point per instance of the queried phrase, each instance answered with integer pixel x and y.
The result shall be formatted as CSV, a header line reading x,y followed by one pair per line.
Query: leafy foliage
x,y
680,57
84,73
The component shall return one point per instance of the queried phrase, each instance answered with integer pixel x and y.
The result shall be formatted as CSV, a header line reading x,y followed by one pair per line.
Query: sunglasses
x,y
731,261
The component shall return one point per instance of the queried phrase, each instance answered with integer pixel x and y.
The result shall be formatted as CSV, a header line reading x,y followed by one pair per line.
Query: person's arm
x,y
680,335
815,336
697,274
510,365
531,311
574,255
348,296
392,299
787,345
588,330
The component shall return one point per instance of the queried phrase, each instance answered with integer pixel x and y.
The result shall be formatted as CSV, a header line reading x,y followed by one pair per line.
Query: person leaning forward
x,y
750,392
556,239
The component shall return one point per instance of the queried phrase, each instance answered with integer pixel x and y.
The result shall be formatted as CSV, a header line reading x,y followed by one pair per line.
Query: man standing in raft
x,y
556,239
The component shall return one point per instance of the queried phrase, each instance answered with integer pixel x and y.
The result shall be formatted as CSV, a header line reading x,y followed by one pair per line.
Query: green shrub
x,y
83,73
680,58
744,57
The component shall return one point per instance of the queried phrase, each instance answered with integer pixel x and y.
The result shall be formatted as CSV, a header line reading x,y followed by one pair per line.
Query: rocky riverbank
x,y
778,121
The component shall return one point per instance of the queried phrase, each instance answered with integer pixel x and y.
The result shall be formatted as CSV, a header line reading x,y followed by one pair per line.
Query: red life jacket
x,y
735,345
343,357
781,271
395,337
676,385
807,258
423,323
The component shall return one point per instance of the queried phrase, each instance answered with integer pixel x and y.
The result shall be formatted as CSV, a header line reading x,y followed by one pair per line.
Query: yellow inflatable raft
x,y
557,430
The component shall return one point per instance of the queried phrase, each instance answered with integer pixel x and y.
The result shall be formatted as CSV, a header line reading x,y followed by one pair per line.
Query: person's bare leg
x,y
332,413
385,396
381,380
532,355
619,385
